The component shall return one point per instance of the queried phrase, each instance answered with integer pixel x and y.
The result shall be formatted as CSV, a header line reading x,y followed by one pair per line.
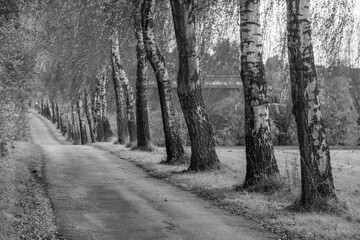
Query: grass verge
x,y
25,209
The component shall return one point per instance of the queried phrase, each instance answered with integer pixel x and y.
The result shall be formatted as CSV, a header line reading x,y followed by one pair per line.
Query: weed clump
x,y
149,148
322,204
268,184
184,159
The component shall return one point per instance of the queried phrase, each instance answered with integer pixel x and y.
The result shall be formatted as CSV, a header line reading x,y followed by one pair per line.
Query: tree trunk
x,y
53,115
82,126
260,158
142,115
98,114
128,91
96,111
130,107
57,115
89,117
42,107
203,154
316,176
121,115
174,148
70,130
47,111
75,125
104,132
62,124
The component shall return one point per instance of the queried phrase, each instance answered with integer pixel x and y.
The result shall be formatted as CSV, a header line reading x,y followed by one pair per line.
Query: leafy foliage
x,y
17,58
228,121
340,116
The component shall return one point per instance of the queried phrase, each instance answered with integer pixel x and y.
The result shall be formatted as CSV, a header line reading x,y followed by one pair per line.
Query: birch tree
x,y
104,132
117,74
89,116
82,126
174,148
203,154
260,158
142,115
316,176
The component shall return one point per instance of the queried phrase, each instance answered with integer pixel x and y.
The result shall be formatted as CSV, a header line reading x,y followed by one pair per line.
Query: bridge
x,y
214,89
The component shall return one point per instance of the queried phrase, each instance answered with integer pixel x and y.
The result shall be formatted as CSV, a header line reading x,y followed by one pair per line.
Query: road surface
x,y
98,196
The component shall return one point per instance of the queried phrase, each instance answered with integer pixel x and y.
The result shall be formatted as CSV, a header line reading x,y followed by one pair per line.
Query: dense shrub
x,y
14,124
282,124
340,116
157,130
227,119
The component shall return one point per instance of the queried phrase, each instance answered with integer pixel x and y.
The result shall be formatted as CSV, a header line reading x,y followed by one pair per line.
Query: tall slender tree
x,y
203,154
75,124
174,148
260,158
142,115
58,126
104,132
89,116
121,116
316,176
119,73
82,126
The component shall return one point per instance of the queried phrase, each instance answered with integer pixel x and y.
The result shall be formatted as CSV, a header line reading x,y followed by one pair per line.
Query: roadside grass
x,y
271,210
7,192
25,210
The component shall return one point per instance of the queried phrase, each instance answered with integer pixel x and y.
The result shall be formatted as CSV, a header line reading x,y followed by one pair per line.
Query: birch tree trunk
x,y
63,118
57,115
142,115
174,148
53,113
68,126
96,111
47,112
82,126
203,154
119,76
63,123
104,132
121,116
75,125
316,176
42,107
89,116
260,158
100,135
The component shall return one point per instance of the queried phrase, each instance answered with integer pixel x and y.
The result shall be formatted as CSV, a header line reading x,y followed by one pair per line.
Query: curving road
x,y
98,196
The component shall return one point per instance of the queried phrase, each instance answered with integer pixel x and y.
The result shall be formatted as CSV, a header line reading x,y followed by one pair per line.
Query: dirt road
x,y
98,196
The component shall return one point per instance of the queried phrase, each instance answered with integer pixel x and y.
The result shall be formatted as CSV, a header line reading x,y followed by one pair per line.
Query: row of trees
x,y
203,154
80,44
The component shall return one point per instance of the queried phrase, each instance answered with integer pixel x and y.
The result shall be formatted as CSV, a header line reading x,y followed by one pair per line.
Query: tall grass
x,y
7,193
